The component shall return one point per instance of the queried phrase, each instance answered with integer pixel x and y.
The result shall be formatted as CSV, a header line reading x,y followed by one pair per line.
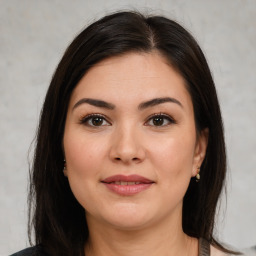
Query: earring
x,y
65,168
198,175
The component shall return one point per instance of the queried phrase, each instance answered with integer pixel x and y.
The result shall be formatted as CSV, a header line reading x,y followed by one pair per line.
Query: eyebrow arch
x,y
158,101
95,102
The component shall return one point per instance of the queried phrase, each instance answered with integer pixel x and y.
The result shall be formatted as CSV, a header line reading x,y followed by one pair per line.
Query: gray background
x,y
33,36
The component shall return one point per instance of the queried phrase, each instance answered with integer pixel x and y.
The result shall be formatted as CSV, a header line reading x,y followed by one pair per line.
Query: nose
x,y
127,146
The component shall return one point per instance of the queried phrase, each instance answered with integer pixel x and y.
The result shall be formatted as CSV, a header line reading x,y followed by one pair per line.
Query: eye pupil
x,y
158,121
97,121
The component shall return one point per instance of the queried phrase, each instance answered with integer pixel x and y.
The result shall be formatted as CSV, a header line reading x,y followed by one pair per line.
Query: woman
x,y
130,155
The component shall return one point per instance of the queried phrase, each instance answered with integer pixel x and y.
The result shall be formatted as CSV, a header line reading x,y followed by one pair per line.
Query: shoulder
x,y
217,252
31,251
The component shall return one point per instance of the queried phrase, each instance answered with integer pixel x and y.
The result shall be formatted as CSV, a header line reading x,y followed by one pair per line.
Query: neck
x,y
160,239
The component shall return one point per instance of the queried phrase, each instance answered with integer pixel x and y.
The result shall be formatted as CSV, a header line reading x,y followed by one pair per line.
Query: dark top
x,y
204,250
32,251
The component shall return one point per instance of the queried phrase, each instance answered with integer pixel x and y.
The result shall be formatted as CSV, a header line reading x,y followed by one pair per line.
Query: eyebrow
x,y
94,102
158,101
143,105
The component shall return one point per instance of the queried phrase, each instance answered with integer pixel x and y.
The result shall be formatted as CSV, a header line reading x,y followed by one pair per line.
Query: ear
x,y
200,150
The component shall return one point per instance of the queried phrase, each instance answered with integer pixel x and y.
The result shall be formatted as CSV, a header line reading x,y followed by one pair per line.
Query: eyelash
x,y
86,119
164,116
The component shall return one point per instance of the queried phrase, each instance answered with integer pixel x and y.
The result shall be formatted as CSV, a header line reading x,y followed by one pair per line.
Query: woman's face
x,y
130,142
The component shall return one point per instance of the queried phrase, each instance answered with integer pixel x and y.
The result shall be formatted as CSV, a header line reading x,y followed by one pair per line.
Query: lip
x,y
127,190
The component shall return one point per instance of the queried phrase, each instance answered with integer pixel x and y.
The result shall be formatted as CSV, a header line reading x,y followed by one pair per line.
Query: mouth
x,y
127,185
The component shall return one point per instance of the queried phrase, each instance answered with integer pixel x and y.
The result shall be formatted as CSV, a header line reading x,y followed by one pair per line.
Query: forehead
x,y
132,77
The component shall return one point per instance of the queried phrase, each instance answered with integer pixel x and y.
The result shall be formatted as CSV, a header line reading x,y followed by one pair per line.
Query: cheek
x,y
173,157
83,158
173,162
83,155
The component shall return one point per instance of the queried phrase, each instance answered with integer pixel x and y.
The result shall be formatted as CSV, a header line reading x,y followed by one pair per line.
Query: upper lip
x,y
129,178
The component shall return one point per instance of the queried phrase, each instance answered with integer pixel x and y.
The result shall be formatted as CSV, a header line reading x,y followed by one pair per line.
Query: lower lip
x,y
127,190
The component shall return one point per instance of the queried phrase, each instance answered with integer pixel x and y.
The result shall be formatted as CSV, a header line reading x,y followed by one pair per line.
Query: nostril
x,y
133,159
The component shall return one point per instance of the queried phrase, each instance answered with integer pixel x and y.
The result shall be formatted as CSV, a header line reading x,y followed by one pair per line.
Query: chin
x,y
128,217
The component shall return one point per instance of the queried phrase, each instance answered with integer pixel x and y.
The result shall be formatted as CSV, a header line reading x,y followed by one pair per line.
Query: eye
x,y
94,120
160,120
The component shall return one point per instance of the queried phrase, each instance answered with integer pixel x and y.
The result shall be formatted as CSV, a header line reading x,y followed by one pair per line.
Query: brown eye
x,y
160,120
97,121
94,121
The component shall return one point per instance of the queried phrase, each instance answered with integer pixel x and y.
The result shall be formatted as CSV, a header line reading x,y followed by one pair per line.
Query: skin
x,y
127,141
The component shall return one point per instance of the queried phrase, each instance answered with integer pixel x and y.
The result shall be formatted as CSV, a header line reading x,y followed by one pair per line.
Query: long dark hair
x,y
56,216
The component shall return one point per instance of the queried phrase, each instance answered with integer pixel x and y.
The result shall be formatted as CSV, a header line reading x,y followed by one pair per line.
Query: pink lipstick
x,y
127,185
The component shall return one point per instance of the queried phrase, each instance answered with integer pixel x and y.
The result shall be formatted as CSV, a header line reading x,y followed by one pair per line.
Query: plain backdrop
x,y
33,36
